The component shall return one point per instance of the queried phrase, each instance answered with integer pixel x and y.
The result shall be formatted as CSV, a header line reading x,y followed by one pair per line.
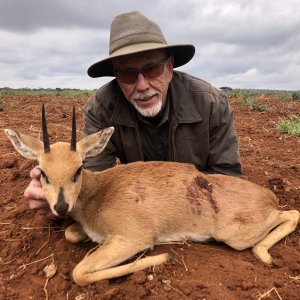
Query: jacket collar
x,y
183,108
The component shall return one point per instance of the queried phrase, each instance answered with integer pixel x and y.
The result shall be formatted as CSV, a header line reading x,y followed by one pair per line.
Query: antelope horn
x,y
45,132
73,137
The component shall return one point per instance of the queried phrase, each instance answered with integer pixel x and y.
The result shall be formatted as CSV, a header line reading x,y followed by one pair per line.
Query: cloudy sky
x,y
239,43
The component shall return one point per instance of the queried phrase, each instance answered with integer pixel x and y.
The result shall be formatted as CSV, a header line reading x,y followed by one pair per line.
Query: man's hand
x,y
34,194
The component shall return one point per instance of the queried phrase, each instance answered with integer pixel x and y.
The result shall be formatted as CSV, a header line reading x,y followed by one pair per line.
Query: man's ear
x,y
26,145
95,143
170,66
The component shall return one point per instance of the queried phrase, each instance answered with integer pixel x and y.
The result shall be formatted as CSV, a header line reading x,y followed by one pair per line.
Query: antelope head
x,y
60,163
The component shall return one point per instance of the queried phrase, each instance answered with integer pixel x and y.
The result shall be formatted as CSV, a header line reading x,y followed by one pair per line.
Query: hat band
x,y
137,48
137,38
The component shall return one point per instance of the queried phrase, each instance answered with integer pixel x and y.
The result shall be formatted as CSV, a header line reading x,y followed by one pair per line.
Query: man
x,y
157,113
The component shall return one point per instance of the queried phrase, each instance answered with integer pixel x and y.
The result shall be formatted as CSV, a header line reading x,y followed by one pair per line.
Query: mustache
x,y
143,96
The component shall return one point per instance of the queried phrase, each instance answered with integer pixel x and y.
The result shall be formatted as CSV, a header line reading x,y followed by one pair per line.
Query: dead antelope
x,y
135,206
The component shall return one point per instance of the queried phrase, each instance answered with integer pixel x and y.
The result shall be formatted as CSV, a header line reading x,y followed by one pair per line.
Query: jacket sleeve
x,y
97,117
224,154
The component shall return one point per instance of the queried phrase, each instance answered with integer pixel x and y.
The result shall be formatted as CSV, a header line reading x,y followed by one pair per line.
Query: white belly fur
x,y
175,237
94,236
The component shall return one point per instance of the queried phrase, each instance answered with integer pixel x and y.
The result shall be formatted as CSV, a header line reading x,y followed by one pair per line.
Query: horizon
x,y
58,89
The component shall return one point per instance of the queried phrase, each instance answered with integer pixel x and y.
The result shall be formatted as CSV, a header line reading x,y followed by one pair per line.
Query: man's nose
x,y
142,83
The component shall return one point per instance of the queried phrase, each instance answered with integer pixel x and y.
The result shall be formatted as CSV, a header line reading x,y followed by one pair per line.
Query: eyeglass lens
x,y
150,72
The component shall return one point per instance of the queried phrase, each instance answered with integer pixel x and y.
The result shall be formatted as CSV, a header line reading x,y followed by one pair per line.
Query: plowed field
x,y
198,271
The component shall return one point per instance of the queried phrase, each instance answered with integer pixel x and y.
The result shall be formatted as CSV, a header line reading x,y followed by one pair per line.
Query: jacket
x,y
201,127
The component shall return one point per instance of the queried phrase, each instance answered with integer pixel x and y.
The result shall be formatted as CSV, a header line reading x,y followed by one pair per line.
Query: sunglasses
x,y
149,71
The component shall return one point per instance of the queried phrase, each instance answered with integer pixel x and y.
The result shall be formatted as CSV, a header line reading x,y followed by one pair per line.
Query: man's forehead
x,y
140,58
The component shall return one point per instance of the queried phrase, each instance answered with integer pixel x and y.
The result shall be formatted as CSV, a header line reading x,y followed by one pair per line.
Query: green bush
x,y
290,125
249,101
234,93
296,95
283,95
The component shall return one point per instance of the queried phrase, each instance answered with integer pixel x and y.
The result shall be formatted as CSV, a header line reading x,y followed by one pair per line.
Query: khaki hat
x,y
133,33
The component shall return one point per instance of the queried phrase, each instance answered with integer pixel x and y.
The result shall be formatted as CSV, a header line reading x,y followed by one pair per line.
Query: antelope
x,y
132,207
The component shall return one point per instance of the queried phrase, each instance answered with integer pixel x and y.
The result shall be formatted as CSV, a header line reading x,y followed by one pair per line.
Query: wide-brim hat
x,y
134,33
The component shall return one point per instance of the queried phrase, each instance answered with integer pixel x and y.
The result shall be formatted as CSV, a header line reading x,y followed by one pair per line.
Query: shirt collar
x,y
163,119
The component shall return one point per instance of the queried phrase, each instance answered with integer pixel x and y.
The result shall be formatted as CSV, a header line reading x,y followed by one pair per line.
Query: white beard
x,y
149,112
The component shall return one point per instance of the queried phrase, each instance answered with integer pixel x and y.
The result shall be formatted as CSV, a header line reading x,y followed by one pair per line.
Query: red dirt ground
x,y
198,271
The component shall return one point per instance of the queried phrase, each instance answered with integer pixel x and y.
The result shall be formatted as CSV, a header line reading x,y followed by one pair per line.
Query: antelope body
x,y
132,207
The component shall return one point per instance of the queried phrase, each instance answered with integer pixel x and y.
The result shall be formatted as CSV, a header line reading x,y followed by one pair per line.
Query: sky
x,y
239,43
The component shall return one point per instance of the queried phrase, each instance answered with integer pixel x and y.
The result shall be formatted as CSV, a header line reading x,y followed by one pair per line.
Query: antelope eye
x,y
77,174
44,176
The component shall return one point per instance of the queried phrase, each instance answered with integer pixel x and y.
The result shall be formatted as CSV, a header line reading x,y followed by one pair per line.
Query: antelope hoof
x,y
262,253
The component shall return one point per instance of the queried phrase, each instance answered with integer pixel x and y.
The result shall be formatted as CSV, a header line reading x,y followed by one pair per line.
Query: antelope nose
x,y
61,206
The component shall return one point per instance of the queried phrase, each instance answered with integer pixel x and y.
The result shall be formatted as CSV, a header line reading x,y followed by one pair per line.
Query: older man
x,y
158,113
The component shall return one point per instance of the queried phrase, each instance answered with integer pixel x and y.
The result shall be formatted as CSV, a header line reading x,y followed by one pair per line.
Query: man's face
x,y
146,88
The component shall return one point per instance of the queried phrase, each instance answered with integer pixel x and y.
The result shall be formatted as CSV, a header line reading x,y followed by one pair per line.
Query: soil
x,y
198,271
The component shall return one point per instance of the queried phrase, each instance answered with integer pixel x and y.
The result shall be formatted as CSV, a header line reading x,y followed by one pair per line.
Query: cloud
x,y
243,44
32,15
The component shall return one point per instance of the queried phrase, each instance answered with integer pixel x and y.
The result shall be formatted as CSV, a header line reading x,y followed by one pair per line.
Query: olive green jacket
x,y
201,127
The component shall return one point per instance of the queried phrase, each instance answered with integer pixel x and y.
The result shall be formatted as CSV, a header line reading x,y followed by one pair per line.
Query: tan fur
x,y
132,207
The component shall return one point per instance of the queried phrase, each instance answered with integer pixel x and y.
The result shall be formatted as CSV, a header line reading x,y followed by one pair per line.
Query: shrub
x,y
236,93
296,95
249,101
283,95
290,125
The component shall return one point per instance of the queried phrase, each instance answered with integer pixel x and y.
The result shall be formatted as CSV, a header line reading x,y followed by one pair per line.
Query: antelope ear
x,y
95,143
26,145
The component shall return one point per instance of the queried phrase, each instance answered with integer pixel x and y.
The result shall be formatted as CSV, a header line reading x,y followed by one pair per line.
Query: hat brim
x,y
182,55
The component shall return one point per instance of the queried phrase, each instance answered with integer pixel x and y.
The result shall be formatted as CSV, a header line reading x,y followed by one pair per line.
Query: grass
x,y
46,92
253,105
290,125
248,98
280,95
